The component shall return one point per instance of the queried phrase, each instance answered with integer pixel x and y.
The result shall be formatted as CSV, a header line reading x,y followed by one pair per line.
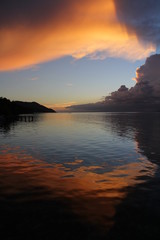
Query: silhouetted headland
x,y
13,108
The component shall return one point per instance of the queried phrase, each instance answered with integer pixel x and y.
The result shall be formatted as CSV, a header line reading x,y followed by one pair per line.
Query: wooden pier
x,y
25,118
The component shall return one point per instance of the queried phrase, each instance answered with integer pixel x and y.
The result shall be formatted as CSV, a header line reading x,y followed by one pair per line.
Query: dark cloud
x,y
141,17
144,96
149,74
29,12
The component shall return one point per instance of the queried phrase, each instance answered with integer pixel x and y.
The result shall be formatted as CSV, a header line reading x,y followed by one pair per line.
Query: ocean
x,y
80,176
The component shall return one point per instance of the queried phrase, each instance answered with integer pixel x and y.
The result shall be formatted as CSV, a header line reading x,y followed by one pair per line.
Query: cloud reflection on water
x,y
91,195
81,191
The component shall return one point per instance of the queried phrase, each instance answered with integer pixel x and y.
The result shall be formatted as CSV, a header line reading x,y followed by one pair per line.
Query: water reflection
x,y
6,124
137,216
84,194
143,127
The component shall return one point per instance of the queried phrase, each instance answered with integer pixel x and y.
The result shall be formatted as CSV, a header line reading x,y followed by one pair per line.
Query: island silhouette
x,y
11,108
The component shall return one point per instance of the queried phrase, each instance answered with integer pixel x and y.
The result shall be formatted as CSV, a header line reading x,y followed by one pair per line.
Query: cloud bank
x,y
144,96
41,30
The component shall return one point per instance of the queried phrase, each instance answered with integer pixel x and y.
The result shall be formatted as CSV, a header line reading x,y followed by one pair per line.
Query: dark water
x,y
80,176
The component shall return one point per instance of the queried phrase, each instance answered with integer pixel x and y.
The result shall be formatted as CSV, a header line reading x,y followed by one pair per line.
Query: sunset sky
x,y
61,53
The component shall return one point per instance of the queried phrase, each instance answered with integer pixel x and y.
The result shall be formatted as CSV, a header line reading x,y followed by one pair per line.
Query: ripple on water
x,y
86,163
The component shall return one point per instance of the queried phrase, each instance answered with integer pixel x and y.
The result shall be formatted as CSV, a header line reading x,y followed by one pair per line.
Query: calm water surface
x,y
77,175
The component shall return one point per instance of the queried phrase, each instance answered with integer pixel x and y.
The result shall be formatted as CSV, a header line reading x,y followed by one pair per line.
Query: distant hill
x,y
33,107
8,107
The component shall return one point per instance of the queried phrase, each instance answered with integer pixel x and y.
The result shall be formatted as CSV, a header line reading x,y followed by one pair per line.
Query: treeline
x,y
8,107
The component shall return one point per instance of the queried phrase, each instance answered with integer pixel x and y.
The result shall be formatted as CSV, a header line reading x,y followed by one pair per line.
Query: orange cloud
x,y
82,28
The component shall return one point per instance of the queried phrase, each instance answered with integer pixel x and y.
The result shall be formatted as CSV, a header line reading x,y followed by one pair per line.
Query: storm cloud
x,y
36,31
144,96
141,18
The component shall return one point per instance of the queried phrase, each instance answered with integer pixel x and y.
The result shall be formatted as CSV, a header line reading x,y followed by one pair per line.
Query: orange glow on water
x,y
92,196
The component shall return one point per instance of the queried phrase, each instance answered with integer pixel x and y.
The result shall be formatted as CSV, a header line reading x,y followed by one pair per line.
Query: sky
x,y
62,53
